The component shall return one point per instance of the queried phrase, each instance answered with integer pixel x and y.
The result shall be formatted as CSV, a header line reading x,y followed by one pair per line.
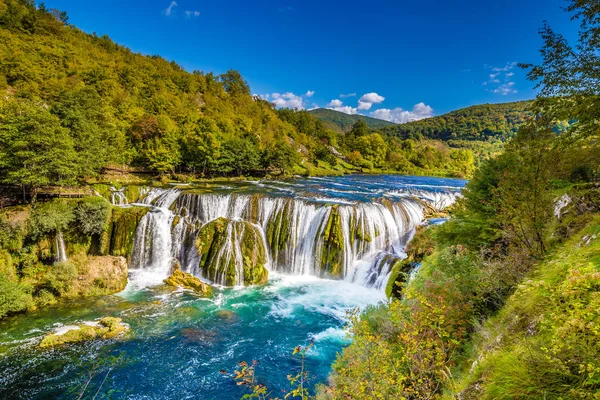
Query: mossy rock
x,y
106,328
187,281
332,251
232,253
124,223
277,231
100,276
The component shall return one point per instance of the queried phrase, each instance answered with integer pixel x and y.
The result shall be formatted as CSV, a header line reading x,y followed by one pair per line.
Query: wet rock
x,y
106,328
225,314
187,281
232,253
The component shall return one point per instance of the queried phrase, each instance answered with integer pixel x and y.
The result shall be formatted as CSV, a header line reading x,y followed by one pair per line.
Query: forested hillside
x,y
342,122
478,123
74,103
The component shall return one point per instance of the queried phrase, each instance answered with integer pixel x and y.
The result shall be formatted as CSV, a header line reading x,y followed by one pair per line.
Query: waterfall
x,y
152,242
117,196
354,241
60,254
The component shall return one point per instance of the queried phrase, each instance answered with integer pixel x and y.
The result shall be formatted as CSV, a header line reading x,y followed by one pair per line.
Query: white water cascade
x,y
117,196
60,253
355,242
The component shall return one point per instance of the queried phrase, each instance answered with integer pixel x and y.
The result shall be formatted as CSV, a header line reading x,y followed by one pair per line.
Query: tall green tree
x,y
35,150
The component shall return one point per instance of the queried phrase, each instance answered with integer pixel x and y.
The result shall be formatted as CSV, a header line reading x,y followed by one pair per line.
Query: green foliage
x,y
91,215
14,297
34,149
342,122
60,277
477,123
50,218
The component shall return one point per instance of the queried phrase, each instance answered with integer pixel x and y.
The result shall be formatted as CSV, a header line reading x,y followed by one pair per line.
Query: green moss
x,y
211,241
107,328
278,227
124,223
333,246
188,281
400,272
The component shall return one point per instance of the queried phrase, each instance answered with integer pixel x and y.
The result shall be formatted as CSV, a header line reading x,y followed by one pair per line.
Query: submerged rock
x,y
232,253
187,281
106,328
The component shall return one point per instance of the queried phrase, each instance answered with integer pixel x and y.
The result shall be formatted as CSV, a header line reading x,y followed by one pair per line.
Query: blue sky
x,y
394,59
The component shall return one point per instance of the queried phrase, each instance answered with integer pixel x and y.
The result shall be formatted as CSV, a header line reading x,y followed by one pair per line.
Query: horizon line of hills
x,y
73,103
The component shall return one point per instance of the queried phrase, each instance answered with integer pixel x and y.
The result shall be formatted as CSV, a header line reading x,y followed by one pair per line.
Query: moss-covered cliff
x,y
232,253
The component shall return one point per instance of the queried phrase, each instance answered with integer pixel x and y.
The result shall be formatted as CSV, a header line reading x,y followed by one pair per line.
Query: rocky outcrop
x,y
106,328
124,223
332,251
99,276
232,253
187,281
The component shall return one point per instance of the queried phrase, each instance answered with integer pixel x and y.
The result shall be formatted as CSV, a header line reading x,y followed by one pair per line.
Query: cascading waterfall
x,y
152,243
354,241
117,196
60,253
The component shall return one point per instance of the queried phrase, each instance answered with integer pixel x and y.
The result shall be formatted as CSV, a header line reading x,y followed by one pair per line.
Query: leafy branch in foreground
x,y
246,376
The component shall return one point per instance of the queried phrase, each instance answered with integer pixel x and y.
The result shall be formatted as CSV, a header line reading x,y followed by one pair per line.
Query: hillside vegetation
x,y
485,122
74,103
506,302
342,122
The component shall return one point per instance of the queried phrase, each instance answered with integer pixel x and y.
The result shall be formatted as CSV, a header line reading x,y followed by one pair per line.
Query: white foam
x,y
337,335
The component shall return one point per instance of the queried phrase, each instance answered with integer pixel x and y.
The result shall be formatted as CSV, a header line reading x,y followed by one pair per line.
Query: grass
x,y
544,342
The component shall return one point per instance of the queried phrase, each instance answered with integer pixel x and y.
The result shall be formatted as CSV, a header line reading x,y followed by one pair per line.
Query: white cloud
x,y
373,98
345,110
506,68
169,9
505,89
367,101
190,14
364,105
500,81
400,116
343,96
288,99
335,103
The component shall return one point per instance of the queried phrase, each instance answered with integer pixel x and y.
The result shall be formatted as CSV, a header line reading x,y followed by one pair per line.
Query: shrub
x,y
91,215
60,277
14,297
49,218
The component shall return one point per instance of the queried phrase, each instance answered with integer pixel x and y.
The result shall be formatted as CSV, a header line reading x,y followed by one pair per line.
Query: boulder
x,y
187,281
232,253
105,328
100,276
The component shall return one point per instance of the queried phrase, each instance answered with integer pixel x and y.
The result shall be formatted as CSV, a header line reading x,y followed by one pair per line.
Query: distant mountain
x,y
341,122
480,123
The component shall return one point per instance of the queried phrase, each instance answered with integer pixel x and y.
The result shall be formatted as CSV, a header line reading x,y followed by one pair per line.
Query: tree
x,y
372,148
359,129
234,83
282,156
569,76
35,150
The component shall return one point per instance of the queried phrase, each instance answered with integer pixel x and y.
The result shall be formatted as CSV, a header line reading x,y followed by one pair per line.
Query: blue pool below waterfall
x,y
179,342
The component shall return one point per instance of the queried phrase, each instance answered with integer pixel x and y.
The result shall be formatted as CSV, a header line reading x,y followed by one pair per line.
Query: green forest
x,y
75,103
